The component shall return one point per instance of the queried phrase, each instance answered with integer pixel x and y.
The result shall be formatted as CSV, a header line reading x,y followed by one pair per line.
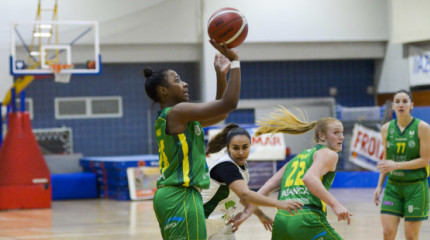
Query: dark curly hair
x,y
153,80
223,138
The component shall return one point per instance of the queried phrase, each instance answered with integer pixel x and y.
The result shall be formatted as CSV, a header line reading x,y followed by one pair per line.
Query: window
x,y
28,106
88,107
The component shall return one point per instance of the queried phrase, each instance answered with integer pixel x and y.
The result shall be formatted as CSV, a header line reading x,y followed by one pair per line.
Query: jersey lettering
x,y
401,147
298,181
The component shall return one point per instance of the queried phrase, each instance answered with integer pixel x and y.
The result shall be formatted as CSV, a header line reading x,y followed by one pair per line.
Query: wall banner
x,y
366,148
264,147
419,67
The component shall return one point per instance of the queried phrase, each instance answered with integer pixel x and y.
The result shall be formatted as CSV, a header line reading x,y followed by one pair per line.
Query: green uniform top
x,y
404,146
292,186
182,156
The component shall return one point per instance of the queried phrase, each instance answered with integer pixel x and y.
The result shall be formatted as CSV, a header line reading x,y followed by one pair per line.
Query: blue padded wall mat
x,y
74,186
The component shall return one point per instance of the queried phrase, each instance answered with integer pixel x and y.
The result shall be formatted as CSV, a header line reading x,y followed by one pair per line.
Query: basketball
x,y
91,65
228,25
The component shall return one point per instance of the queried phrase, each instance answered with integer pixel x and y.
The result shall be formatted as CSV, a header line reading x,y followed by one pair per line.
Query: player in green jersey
x,y
306,178
178,128
406,162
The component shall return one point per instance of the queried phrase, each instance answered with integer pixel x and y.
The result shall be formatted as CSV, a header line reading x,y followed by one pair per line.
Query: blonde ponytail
x,y
283,121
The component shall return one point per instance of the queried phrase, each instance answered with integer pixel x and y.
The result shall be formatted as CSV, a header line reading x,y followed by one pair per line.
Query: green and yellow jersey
x,y
292,186
402,146
182,156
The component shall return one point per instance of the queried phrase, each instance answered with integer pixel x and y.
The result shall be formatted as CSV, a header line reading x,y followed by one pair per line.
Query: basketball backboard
x,y
37,46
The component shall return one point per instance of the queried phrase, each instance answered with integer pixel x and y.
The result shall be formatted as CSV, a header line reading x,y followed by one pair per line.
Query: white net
x,y
62,77
55,140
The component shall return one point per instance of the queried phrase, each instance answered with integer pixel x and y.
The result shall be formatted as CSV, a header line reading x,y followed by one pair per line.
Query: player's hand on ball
x,y
224,50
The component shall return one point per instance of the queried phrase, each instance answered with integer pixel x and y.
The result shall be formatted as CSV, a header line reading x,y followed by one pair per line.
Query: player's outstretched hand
x,y
342,213
266,221
386,166
376,195
237,220
224,50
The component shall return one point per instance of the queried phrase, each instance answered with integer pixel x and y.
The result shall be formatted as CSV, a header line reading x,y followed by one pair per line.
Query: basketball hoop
x,y
60,76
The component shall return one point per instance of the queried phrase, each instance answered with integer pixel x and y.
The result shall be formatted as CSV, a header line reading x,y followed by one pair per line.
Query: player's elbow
x,y
307,179
231,105
245,196
267,188
223,117
425,162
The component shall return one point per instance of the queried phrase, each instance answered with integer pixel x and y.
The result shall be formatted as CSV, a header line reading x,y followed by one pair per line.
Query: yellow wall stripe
x,y
185,160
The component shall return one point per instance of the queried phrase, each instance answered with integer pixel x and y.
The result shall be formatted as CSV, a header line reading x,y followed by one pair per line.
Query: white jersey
x,y
224,202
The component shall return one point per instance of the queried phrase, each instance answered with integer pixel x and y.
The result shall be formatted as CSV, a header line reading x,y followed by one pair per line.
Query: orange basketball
x,y
91,64
229,25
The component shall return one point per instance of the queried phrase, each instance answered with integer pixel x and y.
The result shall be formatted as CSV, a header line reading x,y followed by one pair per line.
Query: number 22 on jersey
x,y
297,181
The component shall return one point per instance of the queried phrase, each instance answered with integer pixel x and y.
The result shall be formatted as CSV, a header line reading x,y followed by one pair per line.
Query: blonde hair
x,y
284,121
321,127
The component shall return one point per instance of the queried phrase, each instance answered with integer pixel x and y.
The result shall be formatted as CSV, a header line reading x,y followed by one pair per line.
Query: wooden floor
x,y
110,219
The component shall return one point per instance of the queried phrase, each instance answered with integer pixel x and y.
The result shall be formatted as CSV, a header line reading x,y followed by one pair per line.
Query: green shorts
x,y
308,224
407,199
180,213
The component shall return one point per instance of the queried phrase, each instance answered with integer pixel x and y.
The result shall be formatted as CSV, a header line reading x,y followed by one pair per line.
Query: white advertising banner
x,y
419,67
264,147
366,148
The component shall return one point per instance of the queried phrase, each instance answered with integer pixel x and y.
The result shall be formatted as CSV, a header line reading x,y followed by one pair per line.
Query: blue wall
x,y
107,136
422,113
128,135
301,79
242,116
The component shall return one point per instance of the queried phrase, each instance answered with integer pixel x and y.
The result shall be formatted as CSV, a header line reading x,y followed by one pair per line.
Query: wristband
x,y
235,64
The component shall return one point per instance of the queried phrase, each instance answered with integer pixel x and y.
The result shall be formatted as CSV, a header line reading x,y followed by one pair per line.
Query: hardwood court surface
x,y
110,219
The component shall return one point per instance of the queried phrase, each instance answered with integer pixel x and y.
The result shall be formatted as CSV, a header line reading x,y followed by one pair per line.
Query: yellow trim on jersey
x,y
427,170
163,162
186,215
197,215
185,160
323,206
322,202
423,190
